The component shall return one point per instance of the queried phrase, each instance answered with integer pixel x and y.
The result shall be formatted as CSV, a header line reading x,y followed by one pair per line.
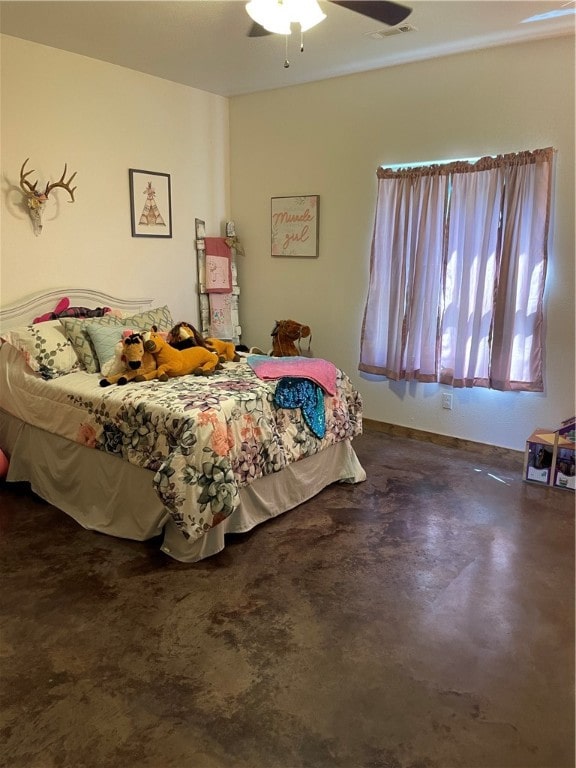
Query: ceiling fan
x,y
275,16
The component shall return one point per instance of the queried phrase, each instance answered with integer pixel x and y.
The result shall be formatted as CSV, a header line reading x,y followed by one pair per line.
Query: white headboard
x,y
23,312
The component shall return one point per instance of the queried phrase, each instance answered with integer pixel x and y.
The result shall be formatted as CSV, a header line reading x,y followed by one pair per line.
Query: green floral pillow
x,y
45,348
78,331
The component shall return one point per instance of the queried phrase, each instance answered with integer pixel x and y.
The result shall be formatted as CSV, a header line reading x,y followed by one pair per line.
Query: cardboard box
x,y
568,429
550,457
564,475
540,456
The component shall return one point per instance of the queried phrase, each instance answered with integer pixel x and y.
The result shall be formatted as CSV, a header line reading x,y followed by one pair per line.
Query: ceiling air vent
x,y
399,30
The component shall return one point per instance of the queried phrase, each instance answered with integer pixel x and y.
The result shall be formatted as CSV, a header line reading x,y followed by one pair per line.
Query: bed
x,y
188,460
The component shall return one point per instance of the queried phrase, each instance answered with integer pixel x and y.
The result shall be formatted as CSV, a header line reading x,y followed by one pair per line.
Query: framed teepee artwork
x,y
150,204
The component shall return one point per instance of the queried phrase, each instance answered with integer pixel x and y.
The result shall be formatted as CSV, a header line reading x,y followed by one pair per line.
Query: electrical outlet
x,y
447,401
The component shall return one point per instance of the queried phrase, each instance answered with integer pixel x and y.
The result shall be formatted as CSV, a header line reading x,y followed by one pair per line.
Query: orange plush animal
x,y
171,362
285,333
136,361
225,350
184,335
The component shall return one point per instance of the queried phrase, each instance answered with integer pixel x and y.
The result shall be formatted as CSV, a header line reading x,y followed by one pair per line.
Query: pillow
x,y
143,321
77,330
45,348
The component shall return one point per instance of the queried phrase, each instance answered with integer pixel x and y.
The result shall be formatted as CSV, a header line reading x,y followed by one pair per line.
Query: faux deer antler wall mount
x,y
36,199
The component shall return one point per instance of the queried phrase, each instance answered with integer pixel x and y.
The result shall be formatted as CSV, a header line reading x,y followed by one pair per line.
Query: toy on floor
x,y
284,334
4,464
136,362
184,336
171,362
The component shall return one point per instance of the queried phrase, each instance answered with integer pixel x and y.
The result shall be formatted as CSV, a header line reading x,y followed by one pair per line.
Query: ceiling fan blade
x,y
256,30
380,10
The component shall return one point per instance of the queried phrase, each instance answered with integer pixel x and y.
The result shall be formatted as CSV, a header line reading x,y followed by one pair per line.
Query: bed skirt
x,y
106,494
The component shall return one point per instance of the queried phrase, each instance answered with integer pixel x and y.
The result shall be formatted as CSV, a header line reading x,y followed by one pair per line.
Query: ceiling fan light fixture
x,y
270,14
277,15
307,13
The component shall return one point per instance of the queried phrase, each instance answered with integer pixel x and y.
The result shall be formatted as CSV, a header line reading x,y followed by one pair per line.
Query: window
x,y
457,273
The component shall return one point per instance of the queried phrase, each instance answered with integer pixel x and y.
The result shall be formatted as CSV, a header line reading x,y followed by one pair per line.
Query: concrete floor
x,y
422,619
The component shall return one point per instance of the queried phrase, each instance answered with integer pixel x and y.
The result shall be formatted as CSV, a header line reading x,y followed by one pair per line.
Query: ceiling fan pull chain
x,y
286,62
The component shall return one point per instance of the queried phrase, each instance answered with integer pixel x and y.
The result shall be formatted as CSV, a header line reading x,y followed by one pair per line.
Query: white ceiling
x,y
204,43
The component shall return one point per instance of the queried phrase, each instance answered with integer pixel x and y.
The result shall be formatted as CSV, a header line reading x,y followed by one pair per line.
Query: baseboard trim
x,y
489,451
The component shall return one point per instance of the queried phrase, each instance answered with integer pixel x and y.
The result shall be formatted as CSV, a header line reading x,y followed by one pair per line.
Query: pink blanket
x,y
218,271
322,372
217,246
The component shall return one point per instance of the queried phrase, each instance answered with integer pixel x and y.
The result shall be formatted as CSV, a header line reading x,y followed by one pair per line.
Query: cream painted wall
x,y
101,119
325,138
328,138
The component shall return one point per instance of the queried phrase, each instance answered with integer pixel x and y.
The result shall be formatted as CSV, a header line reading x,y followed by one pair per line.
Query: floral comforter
x,y
206,437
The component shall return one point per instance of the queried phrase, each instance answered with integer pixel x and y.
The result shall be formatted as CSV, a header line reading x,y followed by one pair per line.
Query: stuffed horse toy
x,y
116,364
285,333
171,362
136,361
184,336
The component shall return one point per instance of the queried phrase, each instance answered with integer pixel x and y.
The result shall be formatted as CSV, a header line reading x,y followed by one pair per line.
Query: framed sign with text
x,y
294,226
